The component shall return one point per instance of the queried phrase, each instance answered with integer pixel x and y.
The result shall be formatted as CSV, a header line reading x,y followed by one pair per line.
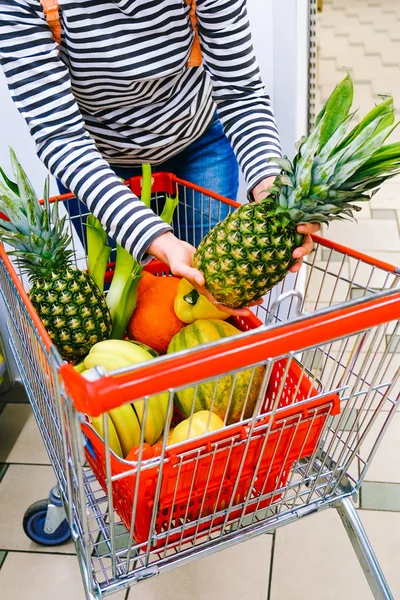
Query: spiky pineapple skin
x,y
246,254
73,310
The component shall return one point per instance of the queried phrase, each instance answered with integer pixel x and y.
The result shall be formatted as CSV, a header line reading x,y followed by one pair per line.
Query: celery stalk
x,y
124,302
146,184
100,267
98,251
169,208
122,295
119,301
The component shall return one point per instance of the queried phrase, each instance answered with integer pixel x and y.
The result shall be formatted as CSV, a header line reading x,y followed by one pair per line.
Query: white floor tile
x,y
385,465
28,447
21,486
27,576
234,574
383,530
314,559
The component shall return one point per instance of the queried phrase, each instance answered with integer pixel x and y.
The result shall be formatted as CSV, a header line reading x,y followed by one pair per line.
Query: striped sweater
x,y
119,92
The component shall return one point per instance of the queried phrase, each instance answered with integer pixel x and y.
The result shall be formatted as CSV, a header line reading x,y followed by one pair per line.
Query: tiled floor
x,y
312,558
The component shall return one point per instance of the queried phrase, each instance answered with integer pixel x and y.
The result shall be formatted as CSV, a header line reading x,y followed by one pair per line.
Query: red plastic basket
x,y
202,479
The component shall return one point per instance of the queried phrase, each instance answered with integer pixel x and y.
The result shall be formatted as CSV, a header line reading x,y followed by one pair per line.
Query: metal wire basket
x,y
324,342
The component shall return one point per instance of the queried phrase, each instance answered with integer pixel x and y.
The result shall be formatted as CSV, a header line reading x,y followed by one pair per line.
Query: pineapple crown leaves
x,y
343,163
335,110
336,138
384,109
384,163
18,199
36,233
333,169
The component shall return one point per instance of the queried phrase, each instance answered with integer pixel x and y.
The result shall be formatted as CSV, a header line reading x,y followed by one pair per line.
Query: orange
x,y
154,321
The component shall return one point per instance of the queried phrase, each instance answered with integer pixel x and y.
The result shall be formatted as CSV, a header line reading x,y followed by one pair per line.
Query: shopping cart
x,y
325,342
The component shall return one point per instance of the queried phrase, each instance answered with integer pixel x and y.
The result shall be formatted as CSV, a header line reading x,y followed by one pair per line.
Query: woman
x,y
119,92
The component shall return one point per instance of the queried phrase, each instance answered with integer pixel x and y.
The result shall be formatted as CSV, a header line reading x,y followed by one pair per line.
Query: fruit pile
x,y
142,316
198,410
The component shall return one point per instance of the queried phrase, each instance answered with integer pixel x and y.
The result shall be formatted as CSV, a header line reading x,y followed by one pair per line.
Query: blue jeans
x,y
208,162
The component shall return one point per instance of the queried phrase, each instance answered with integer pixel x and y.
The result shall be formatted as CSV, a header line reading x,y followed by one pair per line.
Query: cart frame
x,y
334,345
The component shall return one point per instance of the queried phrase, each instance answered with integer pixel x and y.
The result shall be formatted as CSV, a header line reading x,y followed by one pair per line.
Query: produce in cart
x,y
113,439
154,321
191,306
129,419
231,397
251,250
67,300
198,424
127,282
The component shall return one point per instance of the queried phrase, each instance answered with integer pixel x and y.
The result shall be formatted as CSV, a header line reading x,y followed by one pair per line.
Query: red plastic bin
x,y
235,465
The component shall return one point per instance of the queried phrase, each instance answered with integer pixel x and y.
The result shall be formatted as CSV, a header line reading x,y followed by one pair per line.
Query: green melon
x,y
227,393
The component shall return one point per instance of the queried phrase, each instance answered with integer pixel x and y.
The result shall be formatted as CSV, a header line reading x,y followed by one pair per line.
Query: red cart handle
x,y
262,344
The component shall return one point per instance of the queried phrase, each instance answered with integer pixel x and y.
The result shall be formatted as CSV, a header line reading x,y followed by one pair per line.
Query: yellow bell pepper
x,y
189,305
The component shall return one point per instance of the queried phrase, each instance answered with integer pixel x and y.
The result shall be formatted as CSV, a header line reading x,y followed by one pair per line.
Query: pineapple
x,y
250,251
70,305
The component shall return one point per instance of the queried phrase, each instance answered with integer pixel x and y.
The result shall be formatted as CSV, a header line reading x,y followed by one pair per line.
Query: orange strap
x,y
195,58
51,12
50,9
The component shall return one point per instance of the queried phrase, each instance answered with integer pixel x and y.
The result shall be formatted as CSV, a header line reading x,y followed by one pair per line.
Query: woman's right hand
x,y
178,256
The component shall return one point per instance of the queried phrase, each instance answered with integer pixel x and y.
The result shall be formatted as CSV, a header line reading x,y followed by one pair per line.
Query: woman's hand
x,y
260,192
178,256
306,246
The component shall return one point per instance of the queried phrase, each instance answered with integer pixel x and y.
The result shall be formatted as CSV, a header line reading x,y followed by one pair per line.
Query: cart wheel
x,y
34,521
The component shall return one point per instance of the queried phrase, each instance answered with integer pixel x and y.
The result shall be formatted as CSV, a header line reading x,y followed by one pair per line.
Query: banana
x,y
80,367
127,426
97,423
122,422
117,354
155,417
169,440
121,348
109,361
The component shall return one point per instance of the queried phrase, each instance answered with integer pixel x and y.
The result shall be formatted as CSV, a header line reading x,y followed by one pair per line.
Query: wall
x,y
280,37
14,133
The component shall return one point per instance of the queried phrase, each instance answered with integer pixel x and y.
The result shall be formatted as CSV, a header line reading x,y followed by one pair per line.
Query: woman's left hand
x,y
260,192
306,246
